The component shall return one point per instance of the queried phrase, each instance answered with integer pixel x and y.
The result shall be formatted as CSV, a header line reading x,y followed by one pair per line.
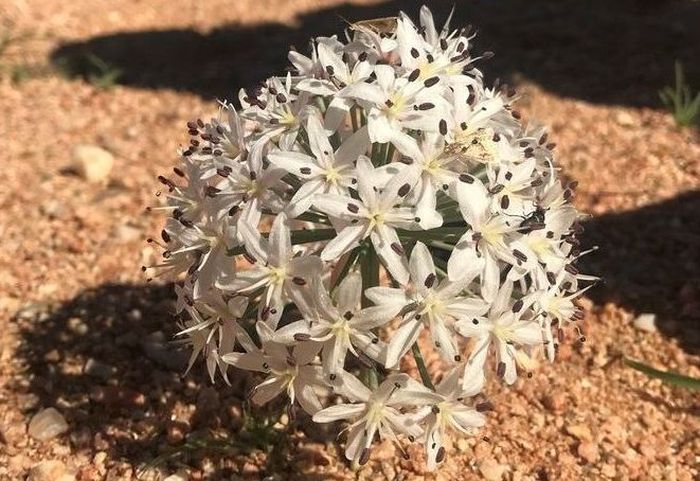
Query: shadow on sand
x,y
619,52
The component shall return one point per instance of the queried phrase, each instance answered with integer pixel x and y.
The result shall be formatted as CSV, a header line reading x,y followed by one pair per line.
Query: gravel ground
x,y
82,332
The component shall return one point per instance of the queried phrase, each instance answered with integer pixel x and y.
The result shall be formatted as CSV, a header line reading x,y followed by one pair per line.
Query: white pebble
x,y
46,424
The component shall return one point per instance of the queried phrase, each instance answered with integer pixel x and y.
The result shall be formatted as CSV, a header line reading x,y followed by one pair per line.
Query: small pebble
x,y
645,322
580,432
53,470
588,451
491,470
46,424
93,163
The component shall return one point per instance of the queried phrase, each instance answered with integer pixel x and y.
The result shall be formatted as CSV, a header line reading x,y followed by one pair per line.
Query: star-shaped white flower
x,y
277,270
505,327
377,411
427,302
326,171
290,371
449,413
340,326
373,215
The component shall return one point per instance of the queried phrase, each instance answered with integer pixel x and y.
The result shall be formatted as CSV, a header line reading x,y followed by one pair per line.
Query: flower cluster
x,y
378,192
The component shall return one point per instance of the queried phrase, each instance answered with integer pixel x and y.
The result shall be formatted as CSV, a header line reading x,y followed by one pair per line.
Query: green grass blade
x,y
665,376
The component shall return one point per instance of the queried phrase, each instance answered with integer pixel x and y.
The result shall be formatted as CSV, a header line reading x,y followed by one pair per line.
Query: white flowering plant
x,y
376,192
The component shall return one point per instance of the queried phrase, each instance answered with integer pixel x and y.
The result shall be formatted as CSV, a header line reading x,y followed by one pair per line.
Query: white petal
x,y
383,238
422,268
402,340
337,412
346,239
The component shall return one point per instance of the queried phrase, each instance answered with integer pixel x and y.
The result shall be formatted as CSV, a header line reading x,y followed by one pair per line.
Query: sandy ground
x,y
71,290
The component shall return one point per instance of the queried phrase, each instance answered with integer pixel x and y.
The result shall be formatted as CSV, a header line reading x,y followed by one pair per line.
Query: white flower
x,y
377,412
427,302
277,270
395,104
340,326
288,371
505,327
327,171
486,241
449,413
373,215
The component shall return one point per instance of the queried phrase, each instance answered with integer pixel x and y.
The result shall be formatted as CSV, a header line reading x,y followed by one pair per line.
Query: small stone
x,y
608,470
93,163
98,369
491,470
625,119
580,432
77,325
555,402
588,451
462,445
645,322
176,432
46,424
47,471
127,233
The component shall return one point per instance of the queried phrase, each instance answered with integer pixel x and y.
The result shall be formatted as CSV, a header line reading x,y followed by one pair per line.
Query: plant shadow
x,y
105,359
649,259
618,53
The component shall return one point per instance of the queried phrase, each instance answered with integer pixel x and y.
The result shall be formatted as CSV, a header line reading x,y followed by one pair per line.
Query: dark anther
x,y
518,305
298,281
415,53
305,170
300,336
404,189
348,315
443,127
165,236
396,247
353,208
430,280
443,44
431,81
482,407
505,202
458,358
414,75
362,57
501,369
519,255
496,189
330,70
466,178
426,106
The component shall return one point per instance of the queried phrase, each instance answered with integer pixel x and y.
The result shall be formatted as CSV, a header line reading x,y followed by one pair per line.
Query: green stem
x,y
369,268
422,369
353,117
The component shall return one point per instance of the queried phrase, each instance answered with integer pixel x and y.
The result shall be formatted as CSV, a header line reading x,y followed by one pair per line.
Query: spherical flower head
x,y
377,195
